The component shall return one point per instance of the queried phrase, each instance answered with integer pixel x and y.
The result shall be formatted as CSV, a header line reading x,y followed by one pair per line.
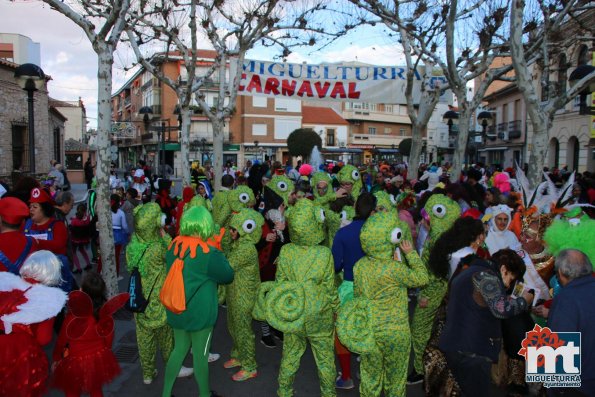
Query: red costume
x,y
27,311
14,246
83,353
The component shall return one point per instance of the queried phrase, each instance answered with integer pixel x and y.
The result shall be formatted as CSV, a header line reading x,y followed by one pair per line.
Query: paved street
x,y
130,382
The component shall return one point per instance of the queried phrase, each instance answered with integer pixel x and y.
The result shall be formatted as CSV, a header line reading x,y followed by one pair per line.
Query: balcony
x,y
491,133
514,129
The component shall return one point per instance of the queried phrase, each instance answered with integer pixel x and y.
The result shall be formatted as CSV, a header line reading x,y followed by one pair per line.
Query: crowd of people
x,y
368,261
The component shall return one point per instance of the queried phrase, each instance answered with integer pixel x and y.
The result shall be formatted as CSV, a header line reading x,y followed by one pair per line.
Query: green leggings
x,y
201,344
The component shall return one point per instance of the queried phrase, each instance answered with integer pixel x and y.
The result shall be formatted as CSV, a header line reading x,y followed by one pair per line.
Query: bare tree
x,y
399,18
231,28
103,22
540,32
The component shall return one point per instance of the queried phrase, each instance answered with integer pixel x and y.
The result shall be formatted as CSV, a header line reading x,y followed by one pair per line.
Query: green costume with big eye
x,y
241,293
283,186
351,174
146,251
376,322
443,213
304,298
221,209
238,198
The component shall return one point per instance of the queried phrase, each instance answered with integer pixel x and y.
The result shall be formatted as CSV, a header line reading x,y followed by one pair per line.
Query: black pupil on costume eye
x,y
439,209
244,197
399,236
249,226
282,186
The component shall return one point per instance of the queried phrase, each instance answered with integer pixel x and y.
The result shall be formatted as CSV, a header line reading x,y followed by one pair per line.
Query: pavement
x,y
130,381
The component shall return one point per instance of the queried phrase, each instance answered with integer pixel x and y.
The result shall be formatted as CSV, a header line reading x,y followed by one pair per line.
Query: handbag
x,y
136,302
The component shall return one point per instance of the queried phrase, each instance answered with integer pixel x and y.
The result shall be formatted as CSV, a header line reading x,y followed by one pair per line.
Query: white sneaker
x,y
214,357
185,371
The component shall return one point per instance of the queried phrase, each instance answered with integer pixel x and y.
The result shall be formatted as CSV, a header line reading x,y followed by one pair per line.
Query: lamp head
x,y
30,77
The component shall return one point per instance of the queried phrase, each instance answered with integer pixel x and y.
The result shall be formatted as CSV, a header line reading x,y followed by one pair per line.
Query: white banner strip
x,y
344,82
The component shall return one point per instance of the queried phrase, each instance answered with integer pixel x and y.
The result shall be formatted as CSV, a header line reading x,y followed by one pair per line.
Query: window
x,y
259,129
562,74
372,130
259,101
372,107
330,137
583,56
287,105
402,131
387,130
74,161
284,127
20,147
388,108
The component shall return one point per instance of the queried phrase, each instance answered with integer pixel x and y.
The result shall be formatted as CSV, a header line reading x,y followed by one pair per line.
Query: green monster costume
x,y
146,251
281,185
241,293
304,298
199,201
386,202
322,200
351,174
238,198
376,322
221,209
443,213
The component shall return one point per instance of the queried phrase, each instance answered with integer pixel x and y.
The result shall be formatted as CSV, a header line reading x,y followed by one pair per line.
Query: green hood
x,y
318,177
443,213
306,223
282,186
198,201
241,197
249,224
381,233
351,174
385,201
147,221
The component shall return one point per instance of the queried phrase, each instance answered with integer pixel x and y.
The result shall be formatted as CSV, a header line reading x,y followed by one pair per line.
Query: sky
x,y
67,55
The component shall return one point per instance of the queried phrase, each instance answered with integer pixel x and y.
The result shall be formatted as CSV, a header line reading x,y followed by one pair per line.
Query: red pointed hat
x,y
13,210
40,196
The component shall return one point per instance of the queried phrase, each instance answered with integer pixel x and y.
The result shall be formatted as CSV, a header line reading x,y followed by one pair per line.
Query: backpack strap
x,y
9,265
14,267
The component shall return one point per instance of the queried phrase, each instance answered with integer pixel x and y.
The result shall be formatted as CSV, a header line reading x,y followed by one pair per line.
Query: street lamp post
x,y
576,75
30,78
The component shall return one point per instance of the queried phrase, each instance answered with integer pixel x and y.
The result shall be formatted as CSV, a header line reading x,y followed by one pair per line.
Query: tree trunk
x,y
538,153
106,234
459,154
415,154
218,137
184,146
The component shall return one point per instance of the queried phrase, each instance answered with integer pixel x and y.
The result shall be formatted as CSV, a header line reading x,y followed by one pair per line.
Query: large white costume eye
x,y
439,210
282,186
322,215
343,215
249,226
355,175
244,198
396,235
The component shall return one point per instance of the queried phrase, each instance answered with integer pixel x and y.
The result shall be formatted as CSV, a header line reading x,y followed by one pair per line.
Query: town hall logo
x,y
553,358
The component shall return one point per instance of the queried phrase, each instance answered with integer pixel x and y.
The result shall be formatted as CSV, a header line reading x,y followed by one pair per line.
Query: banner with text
x,y
351,82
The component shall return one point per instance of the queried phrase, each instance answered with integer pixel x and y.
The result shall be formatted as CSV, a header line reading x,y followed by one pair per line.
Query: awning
x,y
341,150
493,149
387,151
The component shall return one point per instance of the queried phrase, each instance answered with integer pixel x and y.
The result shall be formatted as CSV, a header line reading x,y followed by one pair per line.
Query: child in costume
x,y
83,357
349,175
200,267
245,230
304,298
442,212
28,306
146,251
376,322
